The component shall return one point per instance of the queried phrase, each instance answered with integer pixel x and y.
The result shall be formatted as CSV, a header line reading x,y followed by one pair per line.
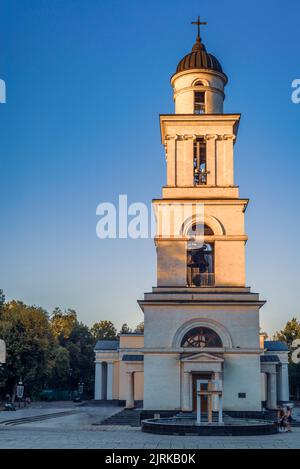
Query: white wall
x,y
242,375
161,323
161,382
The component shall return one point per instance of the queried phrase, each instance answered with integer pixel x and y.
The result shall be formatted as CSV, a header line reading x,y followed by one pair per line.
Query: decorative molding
x,y
210,137
202,357
213,223
171,137
166,140
187,89
226,137
189,137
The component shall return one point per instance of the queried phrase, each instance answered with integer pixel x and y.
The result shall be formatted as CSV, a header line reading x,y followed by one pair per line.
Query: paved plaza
x,y
75,430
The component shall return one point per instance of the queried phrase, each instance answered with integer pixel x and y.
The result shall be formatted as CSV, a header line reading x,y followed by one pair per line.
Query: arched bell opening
x,y
200,256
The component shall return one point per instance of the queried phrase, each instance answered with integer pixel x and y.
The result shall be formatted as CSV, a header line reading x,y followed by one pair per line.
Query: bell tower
x,y
200,244
199,148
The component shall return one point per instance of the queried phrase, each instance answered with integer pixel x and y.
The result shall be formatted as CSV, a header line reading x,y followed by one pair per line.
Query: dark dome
x,y
199,58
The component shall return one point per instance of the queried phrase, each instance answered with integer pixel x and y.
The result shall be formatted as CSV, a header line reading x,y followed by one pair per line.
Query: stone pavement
x,y
129,438
82,416
77,431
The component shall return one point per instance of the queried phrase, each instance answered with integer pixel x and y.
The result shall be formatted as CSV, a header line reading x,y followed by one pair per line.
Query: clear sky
x,y
86,81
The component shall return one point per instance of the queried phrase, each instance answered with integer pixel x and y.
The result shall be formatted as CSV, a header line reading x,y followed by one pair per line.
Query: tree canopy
x,y
125,329
53,351
62,323
103,330
290,332
29,344
140,327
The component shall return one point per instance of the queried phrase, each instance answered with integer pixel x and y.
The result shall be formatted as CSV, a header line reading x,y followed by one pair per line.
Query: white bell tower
x,y
200,319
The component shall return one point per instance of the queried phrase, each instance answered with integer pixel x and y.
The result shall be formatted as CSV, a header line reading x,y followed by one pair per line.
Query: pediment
x,y
202,357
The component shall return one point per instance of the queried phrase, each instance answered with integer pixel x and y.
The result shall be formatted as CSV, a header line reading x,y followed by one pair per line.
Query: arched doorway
x,y
201,337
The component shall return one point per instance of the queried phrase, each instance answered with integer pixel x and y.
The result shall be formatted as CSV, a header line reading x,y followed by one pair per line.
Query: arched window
x,y
199,102
199,83
200,229
200,163
201,337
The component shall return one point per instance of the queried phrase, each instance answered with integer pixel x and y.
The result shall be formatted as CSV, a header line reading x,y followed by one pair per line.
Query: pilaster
x,y
211,159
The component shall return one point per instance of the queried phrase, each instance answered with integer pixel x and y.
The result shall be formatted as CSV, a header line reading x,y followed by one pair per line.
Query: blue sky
x,y
86,81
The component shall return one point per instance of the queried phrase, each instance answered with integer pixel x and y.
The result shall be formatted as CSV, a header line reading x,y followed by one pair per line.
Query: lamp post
x,y
20,392
80,388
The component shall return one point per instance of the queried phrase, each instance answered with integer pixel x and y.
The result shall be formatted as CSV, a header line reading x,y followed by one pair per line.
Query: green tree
x,y
29,345
290,332
80,346
78,341
140,328
62,323
125,329
2,301
104,330
61,368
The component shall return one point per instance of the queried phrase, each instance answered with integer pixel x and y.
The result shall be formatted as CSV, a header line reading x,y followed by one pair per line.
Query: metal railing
x,y
197,279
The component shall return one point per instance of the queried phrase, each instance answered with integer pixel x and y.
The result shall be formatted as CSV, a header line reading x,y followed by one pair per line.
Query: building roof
x,y
269,359
107,345
276,346
199,58
133,358
131,333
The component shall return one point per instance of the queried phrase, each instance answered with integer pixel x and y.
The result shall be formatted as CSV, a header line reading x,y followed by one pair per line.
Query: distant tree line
x,y
49,351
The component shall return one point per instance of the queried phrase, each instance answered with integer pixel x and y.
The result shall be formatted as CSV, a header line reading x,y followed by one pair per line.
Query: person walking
x,y
281,420
288,419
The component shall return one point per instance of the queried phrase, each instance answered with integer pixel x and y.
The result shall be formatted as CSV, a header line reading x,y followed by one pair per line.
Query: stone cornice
x,y
208,201
198,119
198,71
213,89
221,351
207,239
196,302
206,137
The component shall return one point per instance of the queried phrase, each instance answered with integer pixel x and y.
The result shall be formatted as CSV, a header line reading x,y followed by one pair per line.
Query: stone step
x,y
125,417
193,415
295,423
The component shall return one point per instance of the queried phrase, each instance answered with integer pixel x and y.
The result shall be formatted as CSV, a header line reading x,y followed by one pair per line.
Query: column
x,y
209,402
188,165
229,141
284,383
180,161
186,392
224,159
170,149
215,399
272,391
130,390
98,381
220,161
199,410
220,408
211,159
110,380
